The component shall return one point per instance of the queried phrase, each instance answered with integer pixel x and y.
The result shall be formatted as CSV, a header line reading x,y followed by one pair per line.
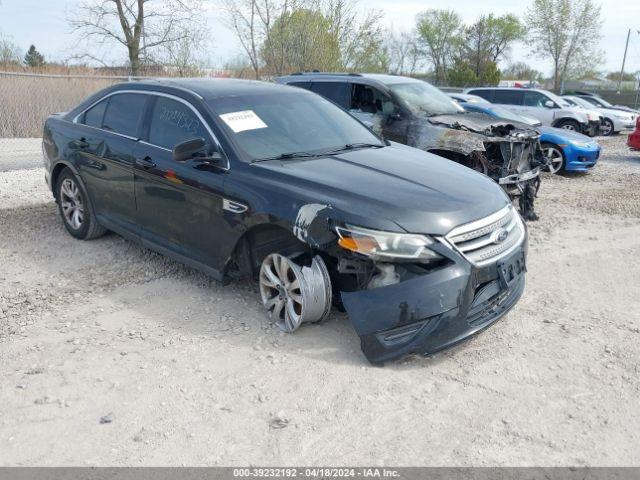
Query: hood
x,y
481,123
566,135
417,191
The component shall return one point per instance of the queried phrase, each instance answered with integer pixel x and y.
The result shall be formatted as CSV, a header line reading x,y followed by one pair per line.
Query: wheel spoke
x,y
291,317
270,278
277,309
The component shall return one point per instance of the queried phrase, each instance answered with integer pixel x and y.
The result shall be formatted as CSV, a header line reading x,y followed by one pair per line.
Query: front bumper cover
x,y
431,312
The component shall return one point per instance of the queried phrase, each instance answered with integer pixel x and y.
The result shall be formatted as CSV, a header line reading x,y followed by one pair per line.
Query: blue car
x,y
566,150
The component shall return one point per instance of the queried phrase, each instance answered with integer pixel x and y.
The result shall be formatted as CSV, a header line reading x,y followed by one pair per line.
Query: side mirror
x,y
549,104
187,149
194,149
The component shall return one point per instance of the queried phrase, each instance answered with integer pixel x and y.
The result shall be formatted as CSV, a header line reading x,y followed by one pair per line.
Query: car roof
x,y
209,88
382,78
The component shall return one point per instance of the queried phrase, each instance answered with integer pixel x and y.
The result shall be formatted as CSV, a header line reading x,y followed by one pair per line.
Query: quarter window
x,y
93,117
124,112
173,122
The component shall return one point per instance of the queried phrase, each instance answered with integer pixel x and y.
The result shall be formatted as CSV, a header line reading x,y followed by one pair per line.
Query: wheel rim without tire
x,y
293,294
554,156
281,291
71,203
569,126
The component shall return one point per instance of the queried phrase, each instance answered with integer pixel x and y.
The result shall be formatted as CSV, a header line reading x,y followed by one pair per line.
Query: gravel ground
x,y
114,355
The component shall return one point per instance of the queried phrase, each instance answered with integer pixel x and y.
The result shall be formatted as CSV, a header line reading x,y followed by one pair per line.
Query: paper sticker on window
x,y
244,120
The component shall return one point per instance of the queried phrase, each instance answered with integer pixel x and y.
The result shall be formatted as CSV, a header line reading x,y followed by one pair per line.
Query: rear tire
x,y
75,207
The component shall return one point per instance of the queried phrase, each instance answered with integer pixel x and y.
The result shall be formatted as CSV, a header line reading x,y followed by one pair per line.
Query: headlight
x,y
582,144
386,245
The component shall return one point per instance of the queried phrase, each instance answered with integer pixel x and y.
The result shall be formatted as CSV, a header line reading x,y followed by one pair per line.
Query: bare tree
x,y
568,32
10,53
405,53
142,27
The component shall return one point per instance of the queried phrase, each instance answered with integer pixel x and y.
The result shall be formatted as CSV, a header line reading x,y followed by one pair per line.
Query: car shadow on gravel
x,y
143,283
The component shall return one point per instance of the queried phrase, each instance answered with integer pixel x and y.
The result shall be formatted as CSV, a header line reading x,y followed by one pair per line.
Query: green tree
x,y
568,33
441,33
462,74
489,38
33,58
301,40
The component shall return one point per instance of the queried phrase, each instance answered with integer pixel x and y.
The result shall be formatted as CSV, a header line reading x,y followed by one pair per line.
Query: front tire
x,y
554,156
570,125
606,130
75,207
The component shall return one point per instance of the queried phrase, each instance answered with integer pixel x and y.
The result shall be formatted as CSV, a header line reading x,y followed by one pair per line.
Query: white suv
x,y
545,106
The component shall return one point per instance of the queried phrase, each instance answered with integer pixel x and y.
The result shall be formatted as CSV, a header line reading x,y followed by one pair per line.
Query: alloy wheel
x,y
569,126
606,128
71,203
555,158
281,291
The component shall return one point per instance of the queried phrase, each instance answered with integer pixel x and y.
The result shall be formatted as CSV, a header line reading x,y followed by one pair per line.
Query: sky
x,y
44,24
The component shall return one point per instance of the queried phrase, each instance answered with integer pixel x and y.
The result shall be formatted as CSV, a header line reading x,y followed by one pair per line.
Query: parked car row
x,y
414,113
564,149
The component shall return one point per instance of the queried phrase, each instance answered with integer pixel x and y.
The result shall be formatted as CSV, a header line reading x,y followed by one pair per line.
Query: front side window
x,y
173,122
284,122
124,112
535,99
486,94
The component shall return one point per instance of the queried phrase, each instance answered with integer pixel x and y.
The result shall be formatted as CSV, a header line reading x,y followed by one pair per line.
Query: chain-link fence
x,y
26,100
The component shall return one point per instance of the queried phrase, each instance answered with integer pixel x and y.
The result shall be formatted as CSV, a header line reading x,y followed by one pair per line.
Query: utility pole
x,y
624,59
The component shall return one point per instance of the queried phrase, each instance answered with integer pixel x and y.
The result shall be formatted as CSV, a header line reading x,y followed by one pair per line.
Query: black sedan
x,y
240,178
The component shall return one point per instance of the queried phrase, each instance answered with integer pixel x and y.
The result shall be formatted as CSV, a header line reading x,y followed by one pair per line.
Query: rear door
x,y
105,161
179,203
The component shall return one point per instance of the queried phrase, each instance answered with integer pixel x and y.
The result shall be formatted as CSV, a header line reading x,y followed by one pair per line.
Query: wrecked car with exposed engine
x,y
415,113
248,179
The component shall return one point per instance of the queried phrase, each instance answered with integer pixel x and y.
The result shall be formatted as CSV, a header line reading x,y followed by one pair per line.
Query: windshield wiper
x,y
286,156
352,146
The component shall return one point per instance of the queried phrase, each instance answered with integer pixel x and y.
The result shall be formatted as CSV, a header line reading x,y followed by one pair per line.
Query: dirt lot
x,y
113,355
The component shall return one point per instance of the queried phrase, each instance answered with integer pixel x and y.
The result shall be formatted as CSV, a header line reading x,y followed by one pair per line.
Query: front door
x,y
179,203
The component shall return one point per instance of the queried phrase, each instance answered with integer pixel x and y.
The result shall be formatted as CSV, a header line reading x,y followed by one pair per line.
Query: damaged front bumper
x,y
435,311
519,177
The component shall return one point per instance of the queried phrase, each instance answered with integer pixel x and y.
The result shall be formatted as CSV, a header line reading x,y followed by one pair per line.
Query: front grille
x,y
488,239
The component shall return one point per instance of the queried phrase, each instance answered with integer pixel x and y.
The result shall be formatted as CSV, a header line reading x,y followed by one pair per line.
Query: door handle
x,y
82,143
145,162
95,164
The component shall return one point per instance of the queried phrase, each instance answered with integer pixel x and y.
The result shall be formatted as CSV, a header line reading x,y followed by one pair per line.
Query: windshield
x,y
422,98
598,102
580,102
286,122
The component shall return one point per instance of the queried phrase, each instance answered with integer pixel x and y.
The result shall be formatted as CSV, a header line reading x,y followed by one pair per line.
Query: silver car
x,y
614,120
545,106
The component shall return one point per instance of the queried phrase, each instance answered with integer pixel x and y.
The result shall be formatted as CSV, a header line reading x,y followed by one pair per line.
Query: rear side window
x,y
486,94
508,97
337,92
93,117
124,112
305,85
173,122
